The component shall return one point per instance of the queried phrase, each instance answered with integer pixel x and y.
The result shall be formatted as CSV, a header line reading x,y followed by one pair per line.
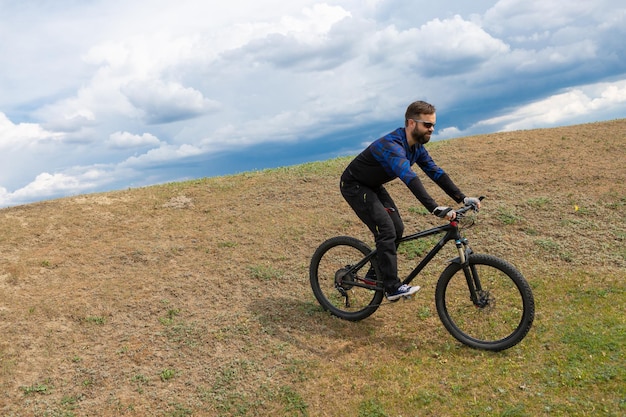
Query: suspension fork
x,y
471,274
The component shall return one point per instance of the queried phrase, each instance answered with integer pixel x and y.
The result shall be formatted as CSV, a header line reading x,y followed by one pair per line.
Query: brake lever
x,y
481,198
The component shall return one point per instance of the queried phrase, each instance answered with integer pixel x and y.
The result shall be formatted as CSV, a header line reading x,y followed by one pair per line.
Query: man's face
x,y
422,127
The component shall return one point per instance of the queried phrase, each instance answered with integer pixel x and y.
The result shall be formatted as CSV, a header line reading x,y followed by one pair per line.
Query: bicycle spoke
x,y
500,317
338,287
336,261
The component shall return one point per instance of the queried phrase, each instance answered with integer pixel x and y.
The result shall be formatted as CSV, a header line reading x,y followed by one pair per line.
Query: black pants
x,y
377,210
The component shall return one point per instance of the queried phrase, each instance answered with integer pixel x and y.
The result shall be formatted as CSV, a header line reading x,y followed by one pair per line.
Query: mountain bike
x,y
483,301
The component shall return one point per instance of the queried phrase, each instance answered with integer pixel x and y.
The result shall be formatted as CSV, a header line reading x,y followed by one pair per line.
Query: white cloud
x,y
128,140
303,42
566,108
162,102
47,185
17,136
163,154
315,22
454,46
112,54
509,17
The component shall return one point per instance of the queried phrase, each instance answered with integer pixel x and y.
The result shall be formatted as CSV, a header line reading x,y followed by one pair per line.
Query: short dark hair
x,y
416,108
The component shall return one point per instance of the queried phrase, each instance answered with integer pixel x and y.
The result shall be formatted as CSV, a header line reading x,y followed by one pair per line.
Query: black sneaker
x,y
403,291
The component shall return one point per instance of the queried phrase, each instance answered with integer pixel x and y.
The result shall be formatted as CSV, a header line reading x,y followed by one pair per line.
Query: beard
x,y
421,138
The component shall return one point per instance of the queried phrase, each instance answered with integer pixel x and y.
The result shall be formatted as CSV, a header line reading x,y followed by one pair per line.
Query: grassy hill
x,y
193,298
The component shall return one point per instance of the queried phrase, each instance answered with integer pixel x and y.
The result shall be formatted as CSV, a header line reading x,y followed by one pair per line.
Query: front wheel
x,y
489,306
343,281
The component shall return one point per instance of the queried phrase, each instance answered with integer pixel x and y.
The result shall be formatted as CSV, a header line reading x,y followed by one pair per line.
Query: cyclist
x,y
385,159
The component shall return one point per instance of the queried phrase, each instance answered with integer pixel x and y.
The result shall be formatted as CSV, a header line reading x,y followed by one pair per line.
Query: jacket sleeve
x,y
446,184
418,190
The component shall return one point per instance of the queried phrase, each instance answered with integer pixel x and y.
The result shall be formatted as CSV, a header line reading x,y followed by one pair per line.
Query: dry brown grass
x,y
193,298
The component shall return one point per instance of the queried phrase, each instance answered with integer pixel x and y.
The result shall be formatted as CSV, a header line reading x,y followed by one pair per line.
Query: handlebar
x,y
460,212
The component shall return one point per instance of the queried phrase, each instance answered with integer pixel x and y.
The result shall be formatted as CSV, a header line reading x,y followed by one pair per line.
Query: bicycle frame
x,y
451,231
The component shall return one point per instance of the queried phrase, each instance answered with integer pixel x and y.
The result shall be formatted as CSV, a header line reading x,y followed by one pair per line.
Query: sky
x,y
100,95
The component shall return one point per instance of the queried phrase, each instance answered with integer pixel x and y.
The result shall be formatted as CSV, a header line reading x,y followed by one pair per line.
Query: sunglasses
x,y
427,125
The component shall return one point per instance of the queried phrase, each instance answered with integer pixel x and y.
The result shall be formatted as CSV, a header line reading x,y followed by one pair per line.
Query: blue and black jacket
x,y
391,157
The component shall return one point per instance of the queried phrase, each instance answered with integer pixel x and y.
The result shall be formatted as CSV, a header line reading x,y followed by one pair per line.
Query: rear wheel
x,y
339,281
502,312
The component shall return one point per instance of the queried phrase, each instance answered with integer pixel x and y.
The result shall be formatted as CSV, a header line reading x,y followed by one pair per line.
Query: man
x,y
385,159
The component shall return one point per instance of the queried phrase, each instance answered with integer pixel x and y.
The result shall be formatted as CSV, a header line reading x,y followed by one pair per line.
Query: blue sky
x,y
109,94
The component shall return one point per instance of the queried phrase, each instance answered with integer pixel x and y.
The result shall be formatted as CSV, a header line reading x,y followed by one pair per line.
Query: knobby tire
x,y
334,258
504,314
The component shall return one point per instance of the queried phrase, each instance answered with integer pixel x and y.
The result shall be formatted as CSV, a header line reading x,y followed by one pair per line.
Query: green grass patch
x,y
371,408
38,388
293,403
171,314
416,248
507,216
99,320
265,273
421,210
167,374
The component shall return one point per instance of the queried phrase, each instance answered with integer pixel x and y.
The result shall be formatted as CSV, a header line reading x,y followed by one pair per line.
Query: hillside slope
x,y
193,299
